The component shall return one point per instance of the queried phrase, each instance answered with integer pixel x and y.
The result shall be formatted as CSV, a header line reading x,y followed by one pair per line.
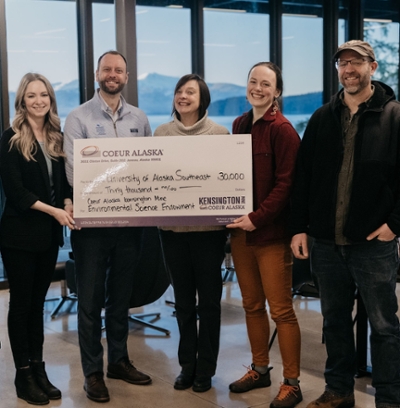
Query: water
x,y
157,120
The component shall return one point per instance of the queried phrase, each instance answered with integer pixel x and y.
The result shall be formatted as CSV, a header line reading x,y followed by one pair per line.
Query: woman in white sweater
x,y
194,254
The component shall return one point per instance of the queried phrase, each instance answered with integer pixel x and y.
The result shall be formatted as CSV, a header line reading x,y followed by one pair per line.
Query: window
x,y
229,54
42,37
302,68
104,38
164,55
384,38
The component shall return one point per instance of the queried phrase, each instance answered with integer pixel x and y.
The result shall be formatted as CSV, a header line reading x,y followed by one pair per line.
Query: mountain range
x,y
156,95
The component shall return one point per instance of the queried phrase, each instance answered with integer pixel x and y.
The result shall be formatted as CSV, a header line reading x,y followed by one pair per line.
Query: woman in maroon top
x,y
260,240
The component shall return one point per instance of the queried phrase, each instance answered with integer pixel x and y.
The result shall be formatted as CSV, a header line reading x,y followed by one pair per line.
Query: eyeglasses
x,y
356,62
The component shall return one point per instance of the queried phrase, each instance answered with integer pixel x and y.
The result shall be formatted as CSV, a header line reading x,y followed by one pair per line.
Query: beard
x,y
364,82
111,91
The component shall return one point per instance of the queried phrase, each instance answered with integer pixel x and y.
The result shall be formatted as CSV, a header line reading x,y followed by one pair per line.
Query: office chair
x,y
229,268
68,292
60,274
151,278
150,282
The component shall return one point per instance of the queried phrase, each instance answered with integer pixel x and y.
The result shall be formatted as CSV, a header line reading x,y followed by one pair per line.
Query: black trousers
x,y
194,261
29,277
105,264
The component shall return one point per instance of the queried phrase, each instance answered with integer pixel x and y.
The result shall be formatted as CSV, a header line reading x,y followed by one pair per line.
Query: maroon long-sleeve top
x,y
274,144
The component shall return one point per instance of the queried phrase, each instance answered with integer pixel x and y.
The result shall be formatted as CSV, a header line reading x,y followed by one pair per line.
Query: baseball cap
x,y
362,47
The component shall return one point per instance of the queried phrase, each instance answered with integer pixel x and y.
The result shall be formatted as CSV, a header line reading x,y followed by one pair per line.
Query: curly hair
x,y
24,139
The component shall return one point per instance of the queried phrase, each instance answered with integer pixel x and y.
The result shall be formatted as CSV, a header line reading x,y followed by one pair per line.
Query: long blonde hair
x,y
24,139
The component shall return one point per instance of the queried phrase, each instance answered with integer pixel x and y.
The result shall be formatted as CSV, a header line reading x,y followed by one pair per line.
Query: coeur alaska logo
x,y
90,151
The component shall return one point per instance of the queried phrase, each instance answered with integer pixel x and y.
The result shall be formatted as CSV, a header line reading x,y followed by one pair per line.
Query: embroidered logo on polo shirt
x,y
134,130
100,130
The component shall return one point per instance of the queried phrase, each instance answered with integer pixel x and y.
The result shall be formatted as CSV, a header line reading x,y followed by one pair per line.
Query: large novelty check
x,y
155,181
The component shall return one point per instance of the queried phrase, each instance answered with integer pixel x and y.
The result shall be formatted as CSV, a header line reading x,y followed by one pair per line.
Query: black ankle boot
x,y
28,389
43,382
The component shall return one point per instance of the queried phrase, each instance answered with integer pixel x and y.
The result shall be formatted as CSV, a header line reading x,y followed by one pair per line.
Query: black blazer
x,y
24,183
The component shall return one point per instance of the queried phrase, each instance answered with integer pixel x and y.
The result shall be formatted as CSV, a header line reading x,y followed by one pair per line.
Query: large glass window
x,y
229,54
384,38
164,55
104,36
341,31
42,37
302,68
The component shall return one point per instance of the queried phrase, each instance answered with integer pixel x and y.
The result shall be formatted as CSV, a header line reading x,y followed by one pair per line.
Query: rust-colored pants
x,y
264,272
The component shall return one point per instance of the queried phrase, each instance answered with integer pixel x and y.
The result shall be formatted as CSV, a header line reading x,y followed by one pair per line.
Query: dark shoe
x,y
252,379
43,382
183,381
124,370
201,384
288,397
329,399
28,389
95,388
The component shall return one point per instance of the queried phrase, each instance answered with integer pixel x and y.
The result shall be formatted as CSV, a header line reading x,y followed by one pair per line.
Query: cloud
x,y
58,30
45,51
220,45
153,42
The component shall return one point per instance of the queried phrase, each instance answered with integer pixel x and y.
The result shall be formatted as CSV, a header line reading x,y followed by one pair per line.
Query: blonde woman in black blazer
x,y
38,204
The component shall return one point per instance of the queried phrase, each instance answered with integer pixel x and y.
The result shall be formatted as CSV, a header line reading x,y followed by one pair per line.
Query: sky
x,y
47,43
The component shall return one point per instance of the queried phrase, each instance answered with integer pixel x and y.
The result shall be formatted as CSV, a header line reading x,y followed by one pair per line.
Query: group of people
x,y
340,185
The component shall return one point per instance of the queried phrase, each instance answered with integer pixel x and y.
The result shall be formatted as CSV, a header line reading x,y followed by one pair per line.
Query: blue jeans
x,y
105,261
372,268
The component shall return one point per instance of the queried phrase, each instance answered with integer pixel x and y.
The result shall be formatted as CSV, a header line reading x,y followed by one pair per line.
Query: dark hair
x,y
205,97
272,67
112,52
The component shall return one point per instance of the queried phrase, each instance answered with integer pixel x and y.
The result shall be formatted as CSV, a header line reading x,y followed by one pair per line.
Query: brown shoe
x,y
288,396
329,399
252,379
125,370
